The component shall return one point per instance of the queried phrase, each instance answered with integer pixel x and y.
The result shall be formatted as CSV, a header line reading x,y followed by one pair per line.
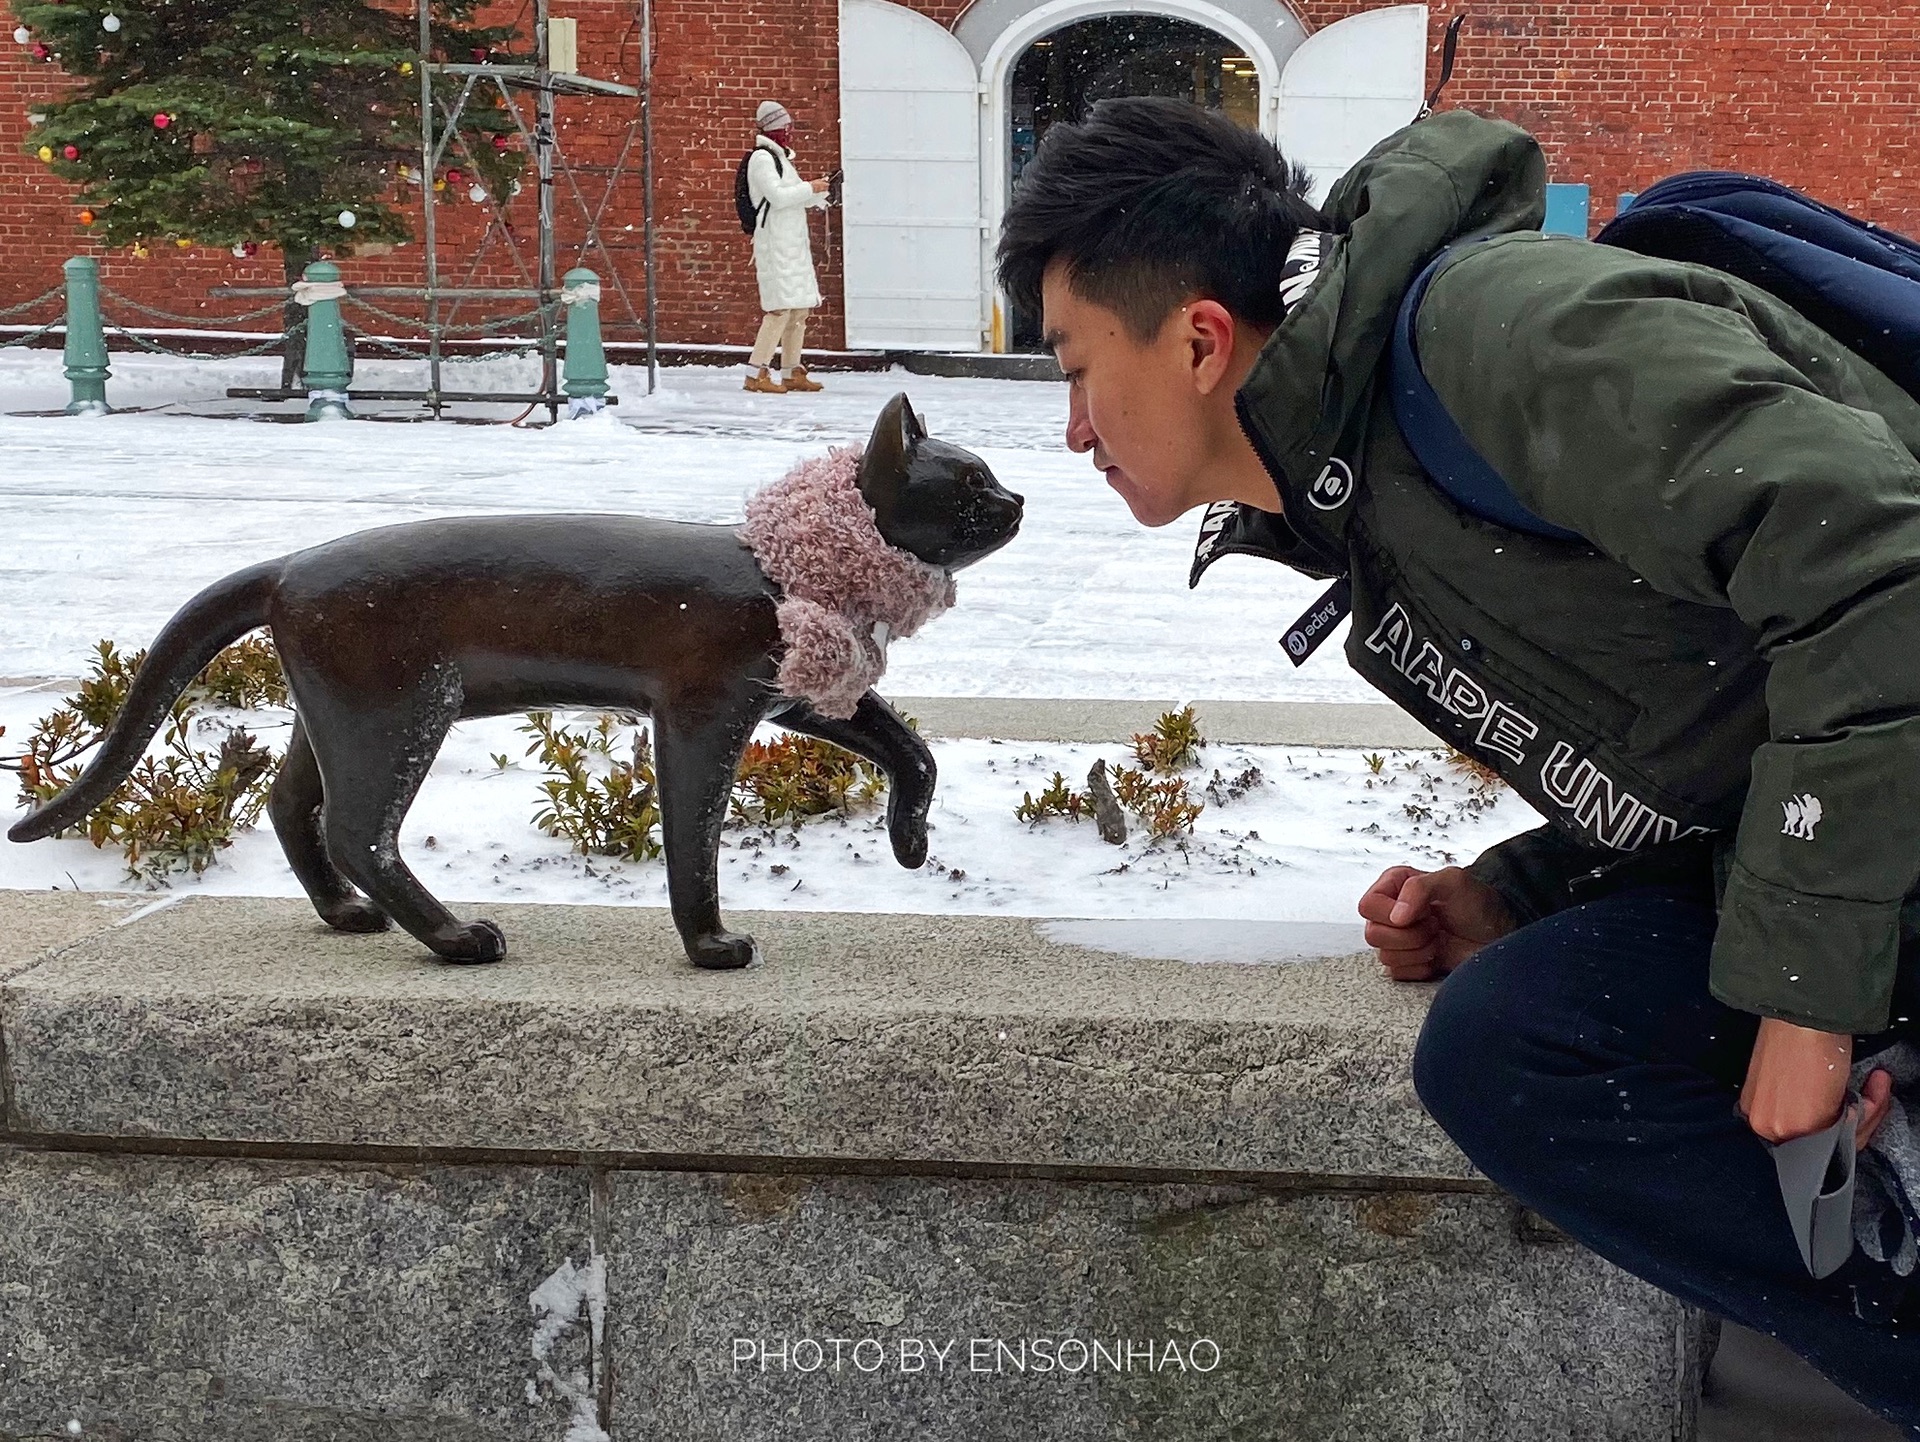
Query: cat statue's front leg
x,y
696,756
881,735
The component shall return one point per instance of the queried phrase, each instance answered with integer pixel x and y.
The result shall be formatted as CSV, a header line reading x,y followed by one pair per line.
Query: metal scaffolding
x,y
439,132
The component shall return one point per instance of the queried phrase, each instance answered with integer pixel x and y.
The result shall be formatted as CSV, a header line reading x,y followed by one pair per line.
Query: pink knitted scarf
x,y
845,592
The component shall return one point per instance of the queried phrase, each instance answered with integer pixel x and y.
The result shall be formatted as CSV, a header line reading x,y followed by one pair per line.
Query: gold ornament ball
x,y
86,217
184,243
46,154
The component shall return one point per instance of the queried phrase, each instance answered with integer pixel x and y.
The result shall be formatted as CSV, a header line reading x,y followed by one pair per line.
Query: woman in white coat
x,y
782,251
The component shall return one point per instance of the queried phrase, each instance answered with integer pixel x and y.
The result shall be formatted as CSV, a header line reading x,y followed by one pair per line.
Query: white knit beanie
x,y
772,115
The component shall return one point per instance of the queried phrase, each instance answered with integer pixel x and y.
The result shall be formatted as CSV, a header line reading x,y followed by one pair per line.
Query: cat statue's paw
x,y
356,914
477,942
907,830
722,951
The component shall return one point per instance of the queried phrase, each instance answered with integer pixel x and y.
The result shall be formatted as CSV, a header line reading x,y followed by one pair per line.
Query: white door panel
x,y
910,143
1350,86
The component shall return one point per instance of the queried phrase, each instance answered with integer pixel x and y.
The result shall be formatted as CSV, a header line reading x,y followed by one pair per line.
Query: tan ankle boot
x,y
764,384
799,380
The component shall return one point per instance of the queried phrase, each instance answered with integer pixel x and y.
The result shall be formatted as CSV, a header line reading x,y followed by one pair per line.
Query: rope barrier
x,y
26,305
392,348
190,320
33,335
411,321
272,343
465,358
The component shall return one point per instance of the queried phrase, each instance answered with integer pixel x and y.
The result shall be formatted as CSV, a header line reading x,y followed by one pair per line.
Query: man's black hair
x,y
1151,202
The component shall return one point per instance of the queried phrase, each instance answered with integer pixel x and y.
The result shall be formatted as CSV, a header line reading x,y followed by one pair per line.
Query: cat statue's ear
x,y
883,465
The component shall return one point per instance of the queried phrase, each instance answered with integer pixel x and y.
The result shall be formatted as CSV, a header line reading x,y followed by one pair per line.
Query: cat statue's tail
x,y
205,626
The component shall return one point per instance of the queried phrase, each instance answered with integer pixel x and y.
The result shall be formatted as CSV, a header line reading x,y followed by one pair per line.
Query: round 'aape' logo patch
x,y
1334,488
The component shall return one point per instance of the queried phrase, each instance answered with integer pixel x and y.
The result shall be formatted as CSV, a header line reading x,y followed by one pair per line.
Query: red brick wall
x,y
1821,94
1825,96
713,64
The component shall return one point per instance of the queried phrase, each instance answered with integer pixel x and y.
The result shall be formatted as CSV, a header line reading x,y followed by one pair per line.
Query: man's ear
x,y
884,463
1210,335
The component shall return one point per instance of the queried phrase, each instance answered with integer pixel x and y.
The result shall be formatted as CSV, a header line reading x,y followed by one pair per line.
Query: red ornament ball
x,y
499,142
40,52
161,120
480,54
72,152
454,177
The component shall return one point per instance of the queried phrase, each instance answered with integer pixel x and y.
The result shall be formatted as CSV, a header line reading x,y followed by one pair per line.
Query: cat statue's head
x,y
930,499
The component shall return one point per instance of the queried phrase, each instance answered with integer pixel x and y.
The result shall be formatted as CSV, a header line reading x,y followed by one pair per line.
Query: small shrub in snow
x,y
1220,790
1483,782
1165,806
794,777
609,805
245,676
1173,745
180,807
1057,799
605,806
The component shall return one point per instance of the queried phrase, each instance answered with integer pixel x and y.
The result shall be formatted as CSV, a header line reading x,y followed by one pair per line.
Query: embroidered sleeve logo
x,y
1803,814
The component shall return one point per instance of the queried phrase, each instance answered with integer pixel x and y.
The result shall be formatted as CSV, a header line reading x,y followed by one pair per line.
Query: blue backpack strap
x,y
1444,453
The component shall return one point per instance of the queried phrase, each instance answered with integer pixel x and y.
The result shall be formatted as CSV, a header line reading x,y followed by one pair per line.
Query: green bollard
x,y
327,367
586,368
86,354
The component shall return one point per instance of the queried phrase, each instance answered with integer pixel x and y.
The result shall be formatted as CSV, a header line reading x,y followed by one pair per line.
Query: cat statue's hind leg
x,y
371,765
294,805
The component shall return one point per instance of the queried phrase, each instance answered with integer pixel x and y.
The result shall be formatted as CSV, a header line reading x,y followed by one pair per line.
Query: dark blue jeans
x,y
1582,1065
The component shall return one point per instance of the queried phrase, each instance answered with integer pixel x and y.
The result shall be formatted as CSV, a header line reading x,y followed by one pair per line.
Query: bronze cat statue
x,y
391,635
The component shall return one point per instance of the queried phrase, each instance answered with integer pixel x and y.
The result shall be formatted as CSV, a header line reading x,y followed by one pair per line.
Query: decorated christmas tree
x,y
249,123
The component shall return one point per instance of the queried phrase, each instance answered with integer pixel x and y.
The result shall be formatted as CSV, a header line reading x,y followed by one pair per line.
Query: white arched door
x,y
1350,86
910,144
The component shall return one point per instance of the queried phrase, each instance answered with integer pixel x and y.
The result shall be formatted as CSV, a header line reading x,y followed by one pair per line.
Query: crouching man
x,y
1710,689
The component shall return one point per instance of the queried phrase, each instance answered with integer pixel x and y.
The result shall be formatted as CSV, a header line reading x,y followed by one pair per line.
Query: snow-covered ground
x,y
107,524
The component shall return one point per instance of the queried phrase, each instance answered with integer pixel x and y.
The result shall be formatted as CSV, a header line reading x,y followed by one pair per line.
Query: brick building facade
x,y
1822,94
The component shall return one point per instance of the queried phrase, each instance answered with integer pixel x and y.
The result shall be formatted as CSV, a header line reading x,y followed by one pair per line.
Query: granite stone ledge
x,y
221,1301
963,1040
865,1310
37,924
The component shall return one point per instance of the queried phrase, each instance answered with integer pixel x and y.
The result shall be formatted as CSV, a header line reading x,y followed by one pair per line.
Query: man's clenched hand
x,y
1797,1083
1425,923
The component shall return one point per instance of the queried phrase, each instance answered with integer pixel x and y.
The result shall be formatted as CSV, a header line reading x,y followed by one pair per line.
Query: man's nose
x,y
1080,436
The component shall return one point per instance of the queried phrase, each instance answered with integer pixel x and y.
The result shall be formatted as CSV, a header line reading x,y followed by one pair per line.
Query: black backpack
x,y
750,214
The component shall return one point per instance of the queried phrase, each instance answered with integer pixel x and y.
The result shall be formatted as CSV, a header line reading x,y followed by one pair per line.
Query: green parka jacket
x,y
1735,656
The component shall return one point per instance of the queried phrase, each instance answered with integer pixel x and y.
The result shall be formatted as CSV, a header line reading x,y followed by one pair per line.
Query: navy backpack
x,y
1858,282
